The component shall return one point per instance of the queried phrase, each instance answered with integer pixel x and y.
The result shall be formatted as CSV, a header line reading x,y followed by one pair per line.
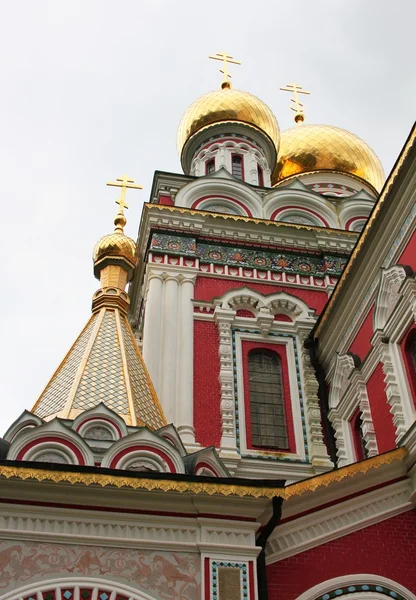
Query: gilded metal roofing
x,y
115,244
103,365
227,105
309,148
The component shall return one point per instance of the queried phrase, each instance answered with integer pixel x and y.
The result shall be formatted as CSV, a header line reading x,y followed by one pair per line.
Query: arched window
x,y
268,425
210,166
237,165
260,176
410,356
359,441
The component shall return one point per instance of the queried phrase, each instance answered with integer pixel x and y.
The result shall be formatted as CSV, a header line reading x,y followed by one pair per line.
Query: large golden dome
x,y
225,105
310,148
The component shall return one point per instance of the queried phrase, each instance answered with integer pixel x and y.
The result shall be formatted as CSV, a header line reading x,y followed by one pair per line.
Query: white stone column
x,y
317,449
152,328
228,452
185,355
169,346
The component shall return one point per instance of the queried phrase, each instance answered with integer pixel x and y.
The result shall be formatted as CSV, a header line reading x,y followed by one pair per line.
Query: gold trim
x,y
164,485
310,485
192,211
365,232
59,368
204,487
146,372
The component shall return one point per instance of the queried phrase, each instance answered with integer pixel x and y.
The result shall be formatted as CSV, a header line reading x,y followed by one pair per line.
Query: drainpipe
x,y
262,541
311,344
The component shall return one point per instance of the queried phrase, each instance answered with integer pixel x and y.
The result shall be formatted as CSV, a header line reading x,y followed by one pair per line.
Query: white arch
x,y
388,294
279,302
214,186
76,582
283,198
355,580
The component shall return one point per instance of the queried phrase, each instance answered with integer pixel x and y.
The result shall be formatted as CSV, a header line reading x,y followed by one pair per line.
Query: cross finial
x,y
124,183
226,58
297,106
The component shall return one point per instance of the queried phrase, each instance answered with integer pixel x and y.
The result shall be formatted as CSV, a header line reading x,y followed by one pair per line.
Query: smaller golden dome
x,y
223,106
115,244
311,148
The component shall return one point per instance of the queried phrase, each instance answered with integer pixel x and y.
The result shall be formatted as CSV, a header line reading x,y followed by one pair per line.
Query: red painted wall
x,y
361,345
409,254
207,416
207,288
408,361
380,411
387,549
280,349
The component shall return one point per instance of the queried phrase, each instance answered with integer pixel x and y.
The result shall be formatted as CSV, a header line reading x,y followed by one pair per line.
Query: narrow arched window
x,y
237,165
210,166
410,356
260,176
268,424
358,436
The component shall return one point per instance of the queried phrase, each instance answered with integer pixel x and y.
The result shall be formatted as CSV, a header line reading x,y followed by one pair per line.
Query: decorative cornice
x,y
343,518
310,485
199,213
365,233
159,484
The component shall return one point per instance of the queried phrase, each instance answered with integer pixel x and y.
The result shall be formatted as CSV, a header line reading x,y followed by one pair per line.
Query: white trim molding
x,y
333,522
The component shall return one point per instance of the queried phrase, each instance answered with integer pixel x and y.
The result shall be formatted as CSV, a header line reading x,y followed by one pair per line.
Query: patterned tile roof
x,y
103,365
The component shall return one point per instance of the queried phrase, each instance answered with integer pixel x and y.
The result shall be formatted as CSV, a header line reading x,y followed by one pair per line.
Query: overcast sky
x,y
93,89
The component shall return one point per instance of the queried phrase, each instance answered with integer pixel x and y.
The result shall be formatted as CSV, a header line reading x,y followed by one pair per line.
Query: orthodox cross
x,y
226,58
298,106
124,183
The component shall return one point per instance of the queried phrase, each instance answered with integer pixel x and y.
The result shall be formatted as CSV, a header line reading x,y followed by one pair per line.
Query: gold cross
x,y
226,58
124,183
298,106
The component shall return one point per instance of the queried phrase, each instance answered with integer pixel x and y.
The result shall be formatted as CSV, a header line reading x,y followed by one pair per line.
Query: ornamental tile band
x,y
243,257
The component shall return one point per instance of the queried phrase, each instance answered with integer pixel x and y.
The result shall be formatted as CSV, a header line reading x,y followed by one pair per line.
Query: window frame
x,y
241,157
285,346
209,162
260,175
273,407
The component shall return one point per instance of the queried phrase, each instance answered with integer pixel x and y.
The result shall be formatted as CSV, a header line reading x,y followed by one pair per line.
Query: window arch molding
x,y
214,188
59,585
358,580
281,199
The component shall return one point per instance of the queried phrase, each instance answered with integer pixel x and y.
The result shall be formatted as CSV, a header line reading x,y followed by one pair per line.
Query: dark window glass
x,y
237,166
260,176
268,424
359,442
210,166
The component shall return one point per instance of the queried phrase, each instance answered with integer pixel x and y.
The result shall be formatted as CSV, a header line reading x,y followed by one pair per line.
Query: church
x,y
237,419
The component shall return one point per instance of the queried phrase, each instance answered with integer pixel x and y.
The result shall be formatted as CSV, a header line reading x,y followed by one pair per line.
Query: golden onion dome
x,y
228,105
311,148
116,244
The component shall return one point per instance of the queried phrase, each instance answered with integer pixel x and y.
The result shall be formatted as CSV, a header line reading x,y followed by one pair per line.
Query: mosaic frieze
x,y
246,257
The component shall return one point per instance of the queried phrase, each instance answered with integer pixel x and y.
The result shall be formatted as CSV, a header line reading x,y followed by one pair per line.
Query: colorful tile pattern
x,y
359,589
243,257
215,565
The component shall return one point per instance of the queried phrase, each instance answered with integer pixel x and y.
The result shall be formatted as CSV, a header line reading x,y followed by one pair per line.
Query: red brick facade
x,y
387,549
207,416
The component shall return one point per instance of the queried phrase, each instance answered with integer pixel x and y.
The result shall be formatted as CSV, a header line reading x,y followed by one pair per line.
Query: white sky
x,y
93,89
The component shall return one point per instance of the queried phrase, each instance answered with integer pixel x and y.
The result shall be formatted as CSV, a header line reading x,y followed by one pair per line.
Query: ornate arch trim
x,y
114,591
373,586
